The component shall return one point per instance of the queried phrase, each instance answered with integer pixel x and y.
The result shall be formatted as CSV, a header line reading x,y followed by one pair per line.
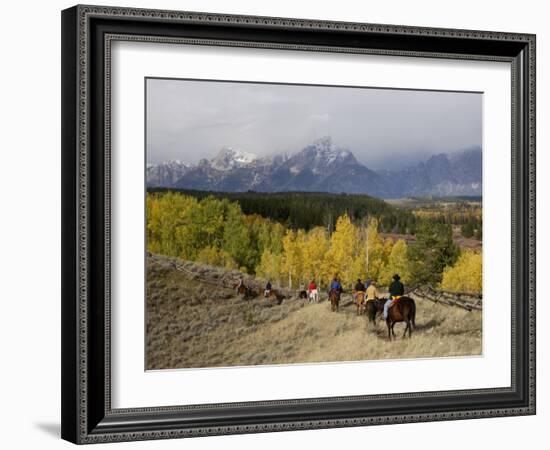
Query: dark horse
x,y
334,297
245,291
374,308
274,295
403,310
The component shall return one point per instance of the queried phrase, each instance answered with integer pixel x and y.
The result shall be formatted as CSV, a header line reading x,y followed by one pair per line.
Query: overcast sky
x,y
190,120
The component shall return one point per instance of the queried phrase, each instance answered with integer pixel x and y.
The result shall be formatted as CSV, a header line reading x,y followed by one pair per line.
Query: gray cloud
x,y
190,120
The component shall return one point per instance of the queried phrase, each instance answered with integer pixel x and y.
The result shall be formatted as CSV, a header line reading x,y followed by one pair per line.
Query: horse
x,y
244,290
374,308
334,297
274,294
360,302
403,310
313,296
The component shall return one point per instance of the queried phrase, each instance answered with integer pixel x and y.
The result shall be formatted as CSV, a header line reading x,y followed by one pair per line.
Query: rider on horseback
x,y
239,284
268,288
372,293
396,290
359,288
312,289
335,285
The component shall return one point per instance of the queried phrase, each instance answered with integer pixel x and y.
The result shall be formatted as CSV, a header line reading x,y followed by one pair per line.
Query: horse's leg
x,y
406,328
389,329
392,325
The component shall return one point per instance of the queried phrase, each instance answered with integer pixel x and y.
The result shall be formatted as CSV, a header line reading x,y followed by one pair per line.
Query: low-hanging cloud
x,y
189,120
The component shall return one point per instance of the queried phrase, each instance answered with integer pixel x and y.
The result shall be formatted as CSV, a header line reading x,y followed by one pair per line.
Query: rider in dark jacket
x,y
396,287
267,289
359,286
396,290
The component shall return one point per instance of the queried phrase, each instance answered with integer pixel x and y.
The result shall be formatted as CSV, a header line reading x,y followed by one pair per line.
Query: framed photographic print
x,y
278,224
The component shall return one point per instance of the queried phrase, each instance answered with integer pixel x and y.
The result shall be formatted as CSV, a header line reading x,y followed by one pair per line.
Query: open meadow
x,y
195,319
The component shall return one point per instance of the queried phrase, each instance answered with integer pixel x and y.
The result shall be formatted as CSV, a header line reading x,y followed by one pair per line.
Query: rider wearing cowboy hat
x,y
396,290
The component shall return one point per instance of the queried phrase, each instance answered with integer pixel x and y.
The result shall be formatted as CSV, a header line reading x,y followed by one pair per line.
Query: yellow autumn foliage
x,y
216,257
271,267
217,232
397,264
340,259
465,275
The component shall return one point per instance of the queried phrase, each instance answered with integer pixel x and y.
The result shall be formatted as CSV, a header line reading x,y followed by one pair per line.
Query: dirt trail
x,y
193,323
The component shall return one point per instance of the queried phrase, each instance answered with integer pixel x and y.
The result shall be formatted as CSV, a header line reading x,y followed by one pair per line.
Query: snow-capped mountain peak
x,y
229,158
167,172
319,156
322,166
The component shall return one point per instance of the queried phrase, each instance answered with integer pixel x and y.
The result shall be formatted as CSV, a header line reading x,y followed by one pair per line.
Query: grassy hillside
x,y
194,319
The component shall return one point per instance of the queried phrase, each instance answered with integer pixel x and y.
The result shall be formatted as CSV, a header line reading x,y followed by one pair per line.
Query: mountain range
x,y
323,167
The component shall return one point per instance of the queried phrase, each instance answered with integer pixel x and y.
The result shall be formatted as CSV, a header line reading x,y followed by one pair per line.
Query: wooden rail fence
x,y
465,300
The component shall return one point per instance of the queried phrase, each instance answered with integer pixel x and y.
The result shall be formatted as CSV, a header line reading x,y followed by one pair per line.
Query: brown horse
x,y
360,302
274,294
334,297
374,308
403,310
245,291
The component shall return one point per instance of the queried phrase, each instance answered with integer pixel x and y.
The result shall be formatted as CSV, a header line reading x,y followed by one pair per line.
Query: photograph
x,y
273,222
302,223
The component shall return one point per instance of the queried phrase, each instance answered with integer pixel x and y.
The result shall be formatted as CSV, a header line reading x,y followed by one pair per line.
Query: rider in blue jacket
x,y
336,285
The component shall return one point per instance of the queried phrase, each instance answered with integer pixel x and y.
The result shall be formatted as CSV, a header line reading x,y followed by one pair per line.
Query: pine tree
x,y
433,250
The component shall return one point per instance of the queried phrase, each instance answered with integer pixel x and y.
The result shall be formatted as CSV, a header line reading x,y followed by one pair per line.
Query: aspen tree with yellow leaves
x,y
343,251
465,275
315,247
293,257
397,263
378,251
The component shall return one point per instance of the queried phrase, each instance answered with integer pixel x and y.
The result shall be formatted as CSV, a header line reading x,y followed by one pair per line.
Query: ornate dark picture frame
x,y
87,33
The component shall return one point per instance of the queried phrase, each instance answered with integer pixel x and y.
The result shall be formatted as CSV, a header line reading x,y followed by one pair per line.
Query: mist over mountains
x,y
323,167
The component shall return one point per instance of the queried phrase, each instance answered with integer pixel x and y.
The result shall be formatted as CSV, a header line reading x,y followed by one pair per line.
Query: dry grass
x,y
193,324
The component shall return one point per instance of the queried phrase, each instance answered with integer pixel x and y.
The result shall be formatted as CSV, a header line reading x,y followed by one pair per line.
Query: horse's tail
x,y
413,314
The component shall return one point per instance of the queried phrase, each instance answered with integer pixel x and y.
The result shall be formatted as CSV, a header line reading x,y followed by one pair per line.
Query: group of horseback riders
x,y
363,292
